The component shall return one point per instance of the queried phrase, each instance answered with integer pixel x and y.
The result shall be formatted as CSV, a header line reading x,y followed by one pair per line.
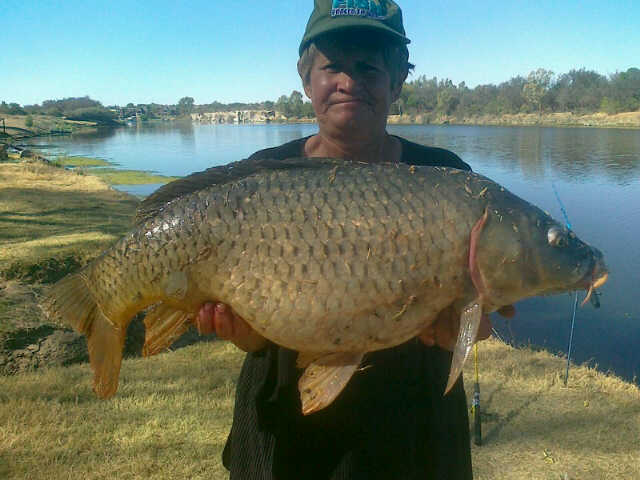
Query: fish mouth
x,y
596,277
597,283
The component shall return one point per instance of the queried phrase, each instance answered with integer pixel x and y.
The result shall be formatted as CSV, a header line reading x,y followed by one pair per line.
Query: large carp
x,y
331,258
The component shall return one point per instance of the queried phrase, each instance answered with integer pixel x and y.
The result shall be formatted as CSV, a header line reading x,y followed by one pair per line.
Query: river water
x,y
595,172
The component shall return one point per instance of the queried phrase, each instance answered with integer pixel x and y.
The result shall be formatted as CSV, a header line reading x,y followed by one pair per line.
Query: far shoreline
x,y
14,133
626,120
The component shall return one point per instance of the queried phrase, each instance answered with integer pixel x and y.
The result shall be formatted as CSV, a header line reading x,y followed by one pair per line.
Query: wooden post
x,y
4,127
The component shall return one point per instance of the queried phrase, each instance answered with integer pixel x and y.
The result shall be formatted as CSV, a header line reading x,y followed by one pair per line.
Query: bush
x,y
29,121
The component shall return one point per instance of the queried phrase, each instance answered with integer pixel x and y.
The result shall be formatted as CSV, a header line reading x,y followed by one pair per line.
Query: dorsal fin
x,y
154,203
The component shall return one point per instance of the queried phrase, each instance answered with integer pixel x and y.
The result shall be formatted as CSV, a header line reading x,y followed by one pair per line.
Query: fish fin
x,y
470,319
471,315
70,302
325,378
163,324
105,343
306,358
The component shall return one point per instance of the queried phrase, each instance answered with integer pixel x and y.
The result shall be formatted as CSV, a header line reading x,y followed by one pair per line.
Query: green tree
x,y
536,87
296,103
624,90
185,105
448,98
282,105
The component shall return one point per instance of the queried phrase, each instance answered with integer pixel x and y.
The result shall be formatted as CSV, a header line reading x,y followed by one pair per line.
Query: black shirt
x,y
390,422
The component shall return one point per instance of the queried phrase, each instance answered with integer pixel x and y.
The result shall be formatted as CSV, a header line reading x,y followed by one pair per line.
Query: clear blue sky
x,y
143,51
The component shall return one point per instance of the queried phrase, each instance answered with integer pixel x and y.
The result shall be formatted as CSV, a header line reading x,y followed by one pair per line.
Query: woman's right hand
x,y
218,318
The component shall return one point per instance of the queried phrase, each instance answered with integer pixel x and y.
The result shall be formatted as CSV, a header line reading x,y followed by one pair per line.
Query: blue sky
x,y
159,51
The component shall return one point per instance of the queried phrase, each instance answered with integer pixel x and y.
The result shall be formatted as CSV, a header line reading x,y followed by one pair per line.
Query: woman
x,y
392,420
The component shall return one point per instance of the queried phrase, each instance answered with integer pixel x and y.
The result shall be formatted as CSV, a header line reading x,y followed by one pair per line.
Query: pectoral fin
x,y
469,323
163,326
325,378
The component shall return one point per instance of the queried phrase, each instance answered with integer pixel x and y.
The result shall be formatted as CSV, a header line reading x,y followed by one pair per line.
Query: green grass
x,y
78,161
115,176
112,176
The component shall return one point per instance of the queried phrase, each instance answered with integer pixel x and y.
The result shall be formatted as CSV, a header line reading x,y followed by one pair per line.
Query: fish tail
x,y
71,303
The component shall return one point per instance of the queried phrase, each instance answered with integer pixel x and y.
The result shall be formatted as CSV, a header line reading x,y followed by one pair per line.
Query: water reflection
x,y
574,154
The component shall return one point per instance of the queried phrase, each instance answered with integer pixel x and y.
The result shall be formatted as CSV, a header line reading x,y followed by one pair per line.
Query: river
x,y
595,172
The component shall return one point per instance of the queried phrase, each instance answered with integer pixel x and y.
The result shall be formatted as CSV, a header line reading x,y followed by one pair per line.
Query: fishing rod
x,y
475,404
575,297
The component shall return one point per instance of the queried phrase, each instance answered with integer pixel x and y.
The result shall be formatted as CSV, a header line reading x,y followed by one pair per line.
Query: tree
x,y
185,105
536,87
282,105
624,91
296,103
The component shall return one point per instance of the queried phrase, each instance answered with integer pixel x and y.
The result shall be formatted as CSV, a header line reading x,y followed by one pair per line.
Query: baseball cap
x,y
383,16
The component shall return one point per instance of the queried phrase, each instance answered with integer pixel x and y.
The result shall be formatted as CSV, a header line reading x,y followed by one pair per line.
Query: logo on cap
x,y
359,8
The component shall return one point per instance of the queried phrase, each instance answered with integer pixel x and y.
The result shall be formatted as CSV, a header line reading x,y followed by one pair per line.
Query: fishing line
x,y
573,321
575,300
564,212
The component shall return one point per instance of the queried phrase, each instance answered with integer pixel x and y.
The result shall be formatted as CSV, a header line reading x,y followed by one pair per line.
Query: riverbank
x,y
54,220
21,127
44,125
566,119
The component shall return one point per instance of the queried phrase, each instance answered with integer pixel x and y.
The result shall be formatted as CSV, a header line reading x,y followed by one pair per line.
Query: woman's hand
x,y
444,331
218,318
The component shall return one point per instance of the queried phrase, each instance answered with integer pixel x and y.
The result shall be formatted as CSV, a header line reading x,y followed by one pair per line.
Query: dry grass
x,y
169,419
624,120
42,124
172,413
47,212
536,428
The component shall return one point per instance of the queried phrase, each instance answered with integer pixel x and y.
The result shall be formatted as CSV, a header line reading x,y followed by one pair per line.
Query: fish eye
x,y
557,237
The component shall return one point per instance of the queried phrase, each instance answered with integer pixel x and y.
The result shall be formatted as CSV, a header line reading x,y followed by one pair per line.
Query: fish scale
x,y
332,257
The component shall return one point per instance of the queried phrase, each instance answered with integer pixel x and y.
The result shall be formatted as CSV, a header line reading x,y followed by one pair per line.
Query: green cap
x,y
383,16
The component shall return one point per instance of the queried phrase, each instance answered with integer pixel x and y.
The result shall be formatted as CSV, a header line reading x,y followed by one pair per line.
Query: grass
x,y
114,176
79,161
42,124
169,419
48,212
536,428
172,413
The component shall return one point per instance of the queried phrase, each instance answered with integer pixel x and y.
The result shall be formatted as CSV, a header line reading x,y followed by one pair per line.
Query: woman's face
x,y
350,89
